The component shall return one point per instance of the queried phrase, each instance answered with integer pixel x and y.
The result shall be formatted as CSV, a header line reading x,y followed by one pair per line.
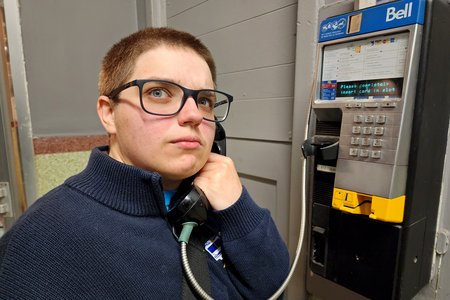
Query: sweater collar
x,y
122,187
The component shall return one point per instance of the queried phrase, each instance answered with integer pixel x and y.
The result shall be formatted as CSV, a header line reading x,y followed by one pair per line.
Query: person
x,y
104,233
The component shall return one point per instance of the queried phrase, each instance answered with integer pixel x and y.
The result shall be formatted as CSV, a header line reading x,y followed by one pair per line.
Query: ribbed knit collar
x,y
122,187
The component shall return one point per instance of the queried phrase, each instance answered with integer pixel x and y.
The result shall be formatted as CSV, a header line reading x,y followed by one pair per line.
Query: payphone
x,y
375,150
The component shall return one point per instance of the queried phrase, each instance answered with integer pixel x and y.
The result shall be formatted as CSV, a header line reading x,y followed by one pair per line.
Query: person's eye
x,y
158,93
206,102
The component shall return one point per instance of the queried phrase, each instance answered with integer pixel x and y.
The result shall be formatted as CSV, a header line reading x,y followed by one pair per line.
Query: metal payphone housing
x,y
373,205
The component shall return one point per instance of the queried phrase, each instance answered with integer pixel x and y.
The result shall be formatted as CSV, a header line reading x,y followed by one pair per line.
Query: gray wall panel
x,y
262,119
215,14
255,43
64,42
263,190
263,169
175,7
268,82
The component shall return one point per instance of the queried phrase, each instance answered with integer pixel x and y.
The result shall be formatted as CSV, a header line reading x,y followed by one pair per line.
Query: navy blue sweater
x,y
103,235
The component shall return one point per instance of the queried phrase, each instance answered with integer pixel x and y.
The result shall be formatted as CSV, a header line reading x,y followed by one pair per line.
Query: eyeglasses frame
x,y
186,94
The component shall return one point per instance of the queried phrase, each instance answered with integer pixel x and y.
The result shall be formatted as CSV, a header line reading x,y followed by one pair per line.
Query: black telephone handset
x,y
189,204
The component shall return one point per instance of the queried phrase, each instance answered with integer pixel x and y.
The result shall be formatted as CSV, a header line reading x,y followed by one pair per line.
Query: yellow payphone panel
x,y
377,208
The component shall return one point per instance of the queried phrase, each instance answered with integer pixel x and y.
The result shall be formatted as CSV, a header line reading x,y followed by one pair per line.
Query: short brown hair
x,y
119,62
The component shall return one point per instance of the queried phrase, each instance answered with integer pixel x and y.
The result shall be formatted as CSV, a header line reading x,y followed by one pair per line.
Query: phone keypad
x,y
368,130
369,135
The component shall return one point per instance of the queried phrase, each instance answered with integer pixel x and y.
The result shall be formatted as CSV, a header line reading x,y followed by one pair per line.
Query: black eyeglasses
x,y
165,98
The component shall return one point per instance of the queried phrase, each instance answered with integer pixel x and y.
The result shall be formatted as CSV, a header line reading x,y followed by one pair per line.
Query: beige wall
x,y
53,169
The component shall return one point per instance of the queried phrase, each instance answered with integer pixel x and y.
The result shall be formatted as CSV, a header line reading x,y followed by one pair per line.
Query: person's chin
x,y
188,169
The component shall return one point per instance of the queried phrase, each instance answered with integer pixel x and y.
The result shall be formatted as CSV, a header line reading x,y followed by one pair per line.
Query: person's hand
x,y
219,180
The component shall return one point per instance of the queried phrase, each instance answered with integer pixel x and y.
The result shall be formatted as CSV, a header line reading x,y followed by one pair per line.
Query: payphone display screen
x,y
368,69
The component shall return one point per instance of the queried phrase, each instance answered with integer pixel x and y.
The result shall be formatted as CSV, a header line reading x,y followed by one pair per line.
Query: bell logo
x,y
392,14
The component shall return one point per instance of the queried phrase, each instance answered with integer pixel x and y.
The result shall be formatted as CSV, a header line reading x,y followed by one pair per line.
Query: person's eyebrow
x,y
174,81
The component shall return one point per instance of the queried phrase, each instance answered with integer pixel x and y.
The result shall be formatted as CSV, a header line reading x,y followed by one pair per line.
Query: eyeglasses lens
x,y
165,98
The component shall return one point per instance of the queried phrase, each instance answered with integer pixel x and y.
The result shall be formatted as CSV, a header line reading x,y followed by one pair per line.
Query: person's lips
x,y
187,142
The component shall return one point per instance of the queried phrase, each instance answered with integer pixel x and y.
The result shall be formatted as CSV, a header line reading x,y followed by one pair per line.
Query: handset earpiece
x,y
189,206
220,142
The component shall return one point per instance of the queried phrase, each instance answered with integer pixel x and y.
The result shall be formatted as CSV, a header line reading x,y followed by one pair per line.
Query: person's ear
x,y
105,111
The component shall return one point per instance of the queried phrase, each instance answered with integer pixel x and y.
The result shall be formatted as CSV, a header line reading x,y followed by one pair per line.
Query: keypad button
x,y
364,153
380,119
353,151
356,129
368,119
354,140
365,142
378,131
375,154
377,143
357,118
367,130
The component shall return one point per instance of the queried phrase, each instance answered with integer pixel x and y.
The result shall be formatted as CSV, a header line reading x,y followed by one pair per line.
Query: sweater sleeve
x,y
257,258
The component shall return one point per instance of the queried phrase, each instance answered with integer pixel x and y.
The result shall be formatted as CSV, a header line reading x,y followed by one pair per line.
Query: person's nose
x,y
190,113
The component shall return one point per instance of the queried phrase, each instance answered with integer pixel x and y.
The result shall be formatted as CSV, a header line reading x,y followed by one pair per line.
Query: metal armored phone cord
x,y
300,236
184,239
187,230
